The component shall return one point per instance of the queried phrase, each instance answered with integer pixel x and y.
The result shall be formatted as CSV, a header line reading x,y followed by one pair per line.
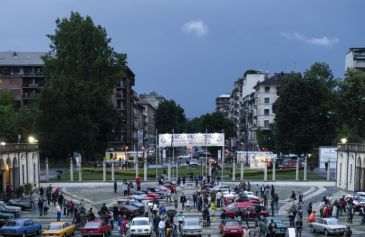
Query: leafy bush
x,y
28,188
19,191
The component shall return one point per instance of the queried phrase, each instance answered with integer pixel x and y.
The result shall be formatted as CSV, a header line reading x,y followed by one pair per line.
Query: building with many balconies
x,y
222,104
355,59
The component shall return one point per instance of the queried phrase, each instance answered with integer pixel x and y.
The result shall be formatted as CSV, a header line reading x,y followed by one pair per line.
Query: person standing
x,y
195,200
300,198
262,190
115,186
45,207
156,221
218,197
272,191
60,200
41,191
138,183
40,206
348,232
298,227
293,196
58,212
183,180
182,201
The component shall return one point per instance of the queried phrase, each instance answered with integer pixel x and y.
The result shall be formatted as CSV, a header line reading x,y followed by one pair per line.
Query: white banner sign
x,y
193,139
328,154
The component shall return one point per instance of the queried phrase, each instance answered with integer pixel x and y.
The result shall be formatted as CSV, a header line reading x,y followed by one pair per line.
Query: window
x,y
266,112
267,100
266,123
23,175
267,88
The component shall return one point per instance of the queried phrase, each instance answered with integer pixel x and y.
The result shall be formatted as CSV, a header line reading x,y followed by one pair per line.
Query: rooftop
x,y
273,80
21,58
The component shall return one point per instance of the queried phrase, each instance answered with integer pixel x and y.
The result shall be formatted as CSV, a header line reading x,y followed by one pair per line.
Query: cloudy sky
x,y
192,51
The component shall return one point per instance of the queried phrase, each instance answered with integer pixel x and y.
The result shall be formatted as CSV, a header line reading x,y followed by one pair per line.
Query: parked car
x,y
194,163
129,211
20,227
59,228
231,228
281,228
358,200
289,164
97,227
231,209
206,186
10,207
23,204
140,226
162,193
4,209
6,216
170,185
327,226
191,227
185,156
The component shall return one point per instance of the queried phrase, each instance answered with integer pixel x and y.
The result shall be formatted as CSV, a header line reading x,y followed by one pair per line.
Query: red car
x,y
170,186
243,206
97,227
231,228
206,186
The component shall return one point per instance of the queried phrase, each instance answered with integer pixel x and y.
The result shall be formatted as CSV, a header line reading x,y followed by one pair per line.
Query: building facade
x,y
21,73
152,98
222,104
355,59
350,174
19,165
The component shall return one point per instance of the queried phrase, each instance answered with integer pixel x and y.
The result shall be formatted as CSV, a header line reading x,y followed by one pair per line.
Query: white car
x,y
194,163
186,156
140,226
2,203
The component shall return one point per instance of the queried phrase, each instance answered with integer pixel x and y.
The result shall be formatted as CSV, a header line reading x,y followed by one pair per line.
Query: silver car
x,y
327,226
191,227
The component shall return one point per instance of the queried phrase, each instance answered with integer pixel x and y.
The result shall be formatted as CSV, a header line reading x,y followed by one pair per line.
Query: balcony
x,y
32,85
22,74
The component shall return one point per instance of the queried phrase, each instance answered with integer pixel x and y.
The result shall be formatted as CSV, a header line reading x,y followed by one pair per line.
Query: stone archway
x,y
15,173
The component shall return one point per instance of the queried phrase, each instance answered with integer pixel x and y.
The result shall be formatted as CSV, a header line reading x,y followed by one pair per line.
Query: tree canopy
x,y
76,113
169,116
304,111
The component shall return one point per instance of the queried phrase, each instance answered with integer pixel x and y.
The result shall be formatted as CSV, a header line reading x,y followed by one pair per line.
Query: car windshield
x,y
13,223
232,223
55,227
332,222
191,222
92,225
140,222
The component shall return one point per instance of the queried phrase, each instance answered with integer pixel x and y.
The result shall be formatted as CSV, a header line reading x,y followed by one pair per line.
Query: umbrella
x,y
59,171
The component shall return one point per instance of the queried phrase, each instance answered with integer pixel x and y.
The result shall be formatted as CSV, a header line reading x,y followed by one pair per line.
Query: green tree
x,y
351,106
170,116
7,117
304,111
75,108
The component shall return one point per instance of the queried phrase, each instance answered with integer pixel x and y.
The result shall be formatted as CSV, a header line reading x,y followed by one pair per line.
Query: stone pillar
x,y
71,170
80,172
242,167
4,181
305,169
234,170
265,171
274,169
329,171
169,171
104,171
47,170
297,170
113,178
210,169
11,177
136,165
145,165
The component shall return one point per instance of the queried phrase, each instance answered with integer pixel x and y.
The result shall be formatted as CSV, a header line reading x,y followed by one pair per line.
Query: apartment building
x,y
21,73
222,104
355,58
152,98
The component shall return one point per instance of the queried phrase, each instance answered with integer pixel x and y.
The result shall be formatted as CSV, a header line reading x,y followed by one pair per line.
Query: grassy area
x,y
97,174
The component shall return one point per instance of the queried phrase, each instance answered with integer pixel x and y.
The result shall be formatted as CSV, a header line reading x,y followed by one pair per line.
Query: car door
x,y
320,225
31,227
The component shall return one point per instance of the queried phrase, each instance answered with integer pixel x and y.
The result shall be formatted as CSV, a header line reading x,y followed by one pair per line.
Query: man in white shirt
x,y
161,227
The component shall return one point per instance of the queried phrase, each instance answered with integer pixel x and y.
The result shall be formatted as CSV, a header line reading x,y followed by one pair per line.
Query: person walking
x,y
45,207
272,228
272,207
298,227
41,191
293,196
156,221
161,228
272,191
262,189
362,214
60,200
58,212
115,186
300,198
218,197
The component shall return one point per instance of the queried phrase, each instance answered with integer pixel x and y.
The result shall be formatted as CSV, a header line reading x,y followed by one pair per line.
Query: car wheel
x,y
39,231
326,232
104,235
24,234
311,229
109,232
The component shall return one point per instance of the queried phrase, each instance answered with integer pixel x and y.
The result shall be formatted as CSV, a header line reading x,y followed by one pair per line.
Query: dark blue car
x,y
20,227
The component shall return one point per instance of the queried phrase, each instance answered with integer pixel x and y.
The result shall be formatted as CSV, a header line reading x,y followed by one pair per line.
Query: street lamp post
x,y
47,170
297,170
273,169
125,157
305,167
